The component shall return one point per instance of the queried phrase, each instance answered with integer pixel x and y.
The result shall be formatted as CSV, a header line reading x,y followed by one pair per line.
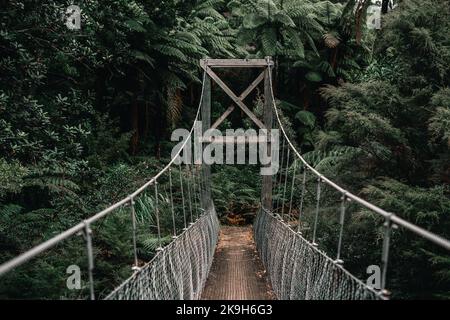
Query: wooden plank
x,y
222,117
235,63
234,139
234,97
266,188
241,97
252,86
206,200
237,272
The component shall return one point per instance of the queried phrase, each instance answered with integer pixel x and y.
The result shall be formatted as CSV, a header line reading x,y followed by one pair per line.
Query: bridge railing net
x,y
178,193
179,270
296,267
299,271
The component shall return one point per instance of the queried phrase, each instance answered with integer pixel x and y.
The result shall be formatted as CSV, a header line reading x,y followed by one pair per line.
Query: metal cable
x,y
316,218
281,176
302,197
391,219
171,204
286,174
292,189
90,256
30,254
133,225
444,243
182,196
189,192
157,216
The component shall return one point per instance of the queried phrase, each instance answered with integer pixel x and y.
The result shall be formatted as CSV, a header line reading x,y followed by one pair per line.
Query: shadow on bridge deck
x,y
237,272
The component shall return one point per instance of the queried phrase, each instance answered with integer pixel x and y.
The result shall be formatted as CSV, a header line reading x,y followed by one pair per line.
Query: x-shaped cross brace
x,y
236,99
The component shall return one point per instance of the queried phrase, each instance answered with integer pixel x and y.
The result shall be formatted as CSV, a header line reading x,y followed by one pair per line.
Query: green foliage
x,y
394,122
272,28
83,112
235,191
439,123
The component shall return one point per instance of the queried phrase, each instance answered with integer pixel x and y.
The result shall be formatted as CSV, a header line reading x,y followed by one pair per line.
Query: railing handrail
x,y
31,253
444,243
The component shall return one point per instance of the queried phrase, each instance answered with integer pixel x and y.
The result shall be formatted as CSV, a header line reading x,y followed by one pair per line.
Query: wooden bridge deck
x,y
237,272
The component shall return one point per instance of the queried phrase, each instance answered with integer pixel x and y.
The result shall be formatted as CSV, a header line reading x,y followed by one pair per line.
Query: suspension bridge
x,y
273,260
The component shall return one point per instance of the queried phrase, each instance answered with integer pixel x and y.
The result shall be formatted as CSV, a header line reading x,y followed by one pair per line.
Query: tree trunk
x,y
361,6
334,56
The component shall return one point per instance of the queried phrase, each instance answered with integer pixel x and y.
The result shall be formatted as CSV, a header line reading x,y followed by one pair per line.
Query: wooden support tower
x,y
208,65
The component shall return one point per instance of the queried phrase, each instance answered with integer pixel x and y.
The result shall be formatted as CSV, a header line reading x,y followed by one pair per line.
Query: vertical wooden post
x,y
266,189
206,124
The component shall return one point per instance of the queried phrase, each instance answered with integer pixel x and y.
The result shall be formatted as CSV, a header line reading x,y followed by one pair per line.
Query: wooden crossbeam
x,y
236,100
236,139
243,95
235,63
223,117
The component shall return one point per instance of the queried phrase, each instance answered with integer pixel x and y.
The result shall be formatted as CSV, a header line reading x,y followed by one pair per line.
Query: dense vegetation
x,y
81,110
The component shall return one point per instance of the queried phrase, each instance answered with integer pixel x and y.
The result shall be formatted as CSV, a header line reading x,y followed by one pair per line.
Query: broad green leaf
x,y
135,25
284,19
269,41
306,118
253,20
142,56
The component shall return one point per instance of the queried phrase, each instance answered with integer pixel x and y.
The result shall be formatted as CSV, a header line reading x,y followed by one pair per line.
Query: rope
x,y
296,267
157,216
177,272
84,226
265,237
442,242
90,255
171,204
341,229
281,176
316,218
300,271
182,196
189,192
285,182
302,197
133,222
292,188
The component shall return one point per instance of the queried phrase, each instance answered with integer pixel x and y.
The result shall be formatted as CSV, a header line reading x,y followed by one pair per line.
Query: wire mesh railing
x,y
275,229
179,271
184,188
298,270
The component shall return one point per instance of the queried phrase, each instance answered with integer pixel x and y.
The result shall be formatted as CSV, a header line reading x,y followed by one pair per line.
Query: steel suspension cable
x,y
171,204
281,176
157,216
302,198
189,192
286,174
391,220
193,181
183,203
292,188
44,246
444,243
